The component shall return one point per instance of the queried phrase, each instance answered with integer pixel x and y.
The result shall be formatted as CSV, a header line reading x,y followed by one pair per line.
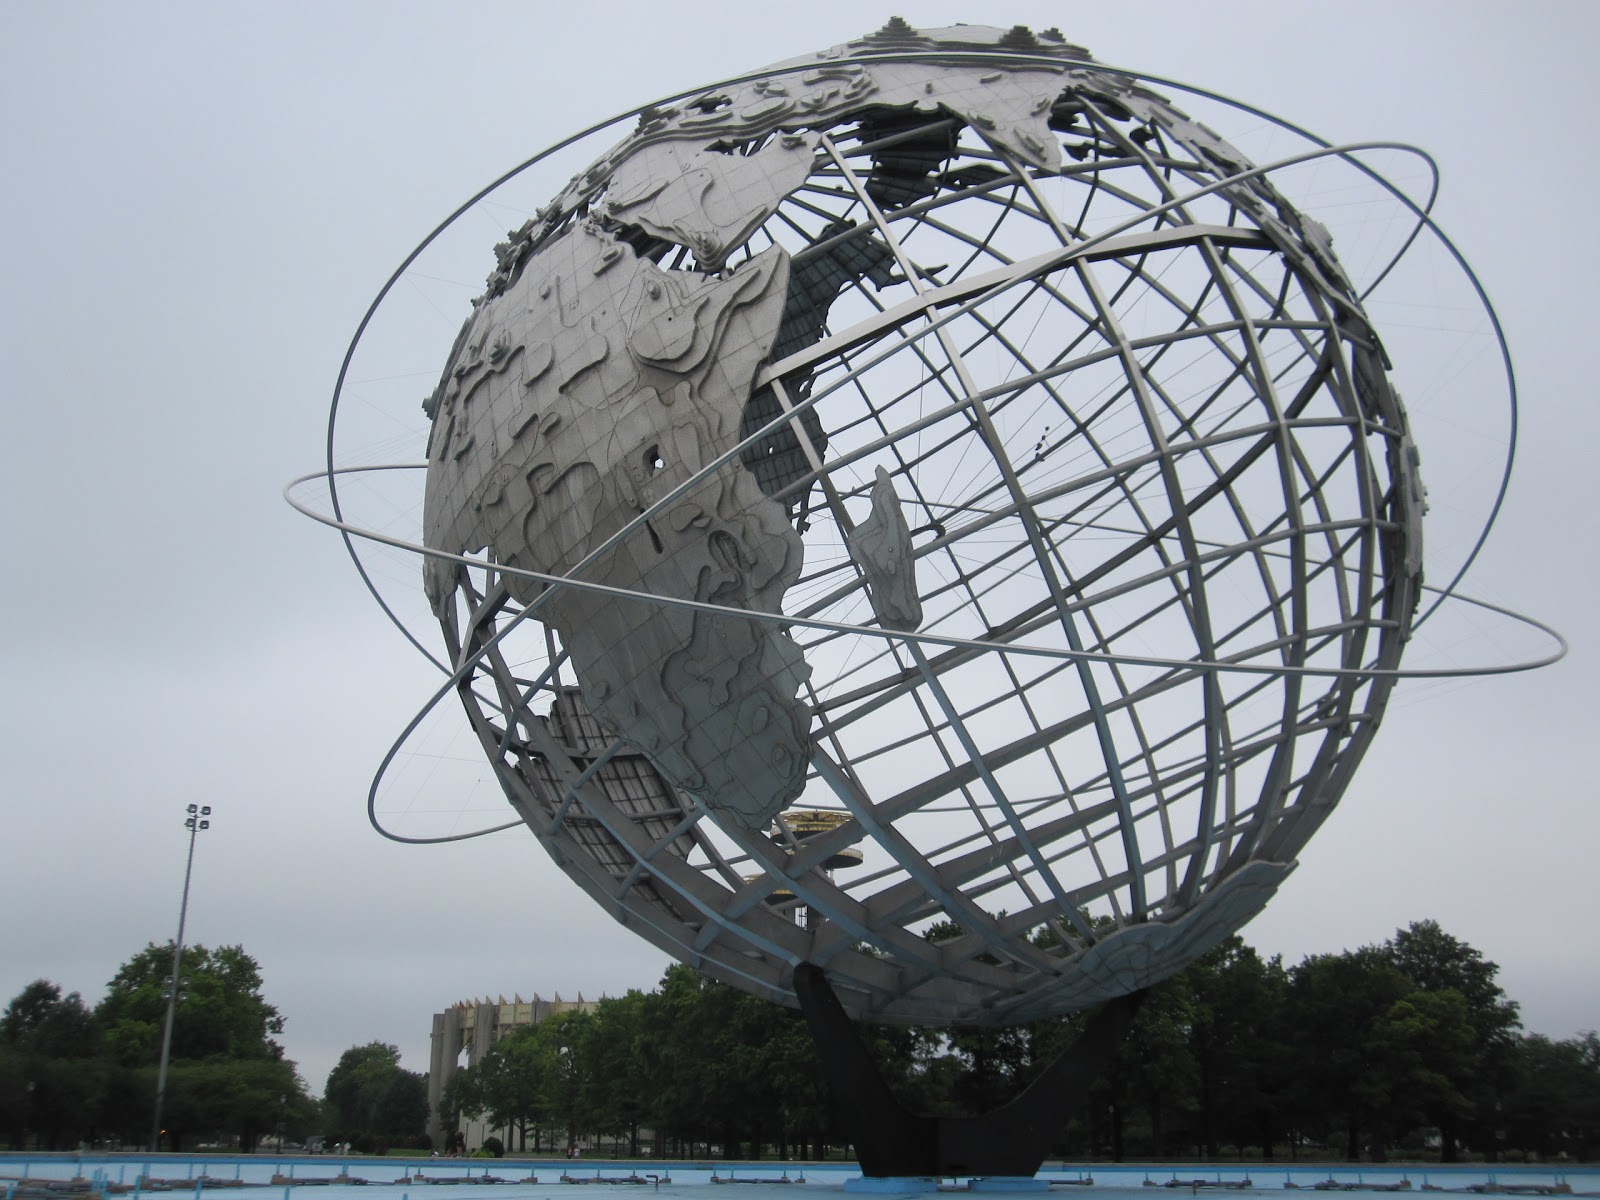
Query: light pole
x,y
194,824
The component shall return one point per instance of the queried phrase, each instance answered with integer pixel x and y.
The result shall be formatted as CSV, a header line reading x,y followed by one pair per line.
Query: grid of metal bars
x,y
1175,443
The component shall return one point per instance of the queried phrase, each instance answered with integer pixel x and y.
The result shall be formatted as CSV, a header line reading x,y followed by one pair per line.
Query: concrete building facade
x,y
472,1028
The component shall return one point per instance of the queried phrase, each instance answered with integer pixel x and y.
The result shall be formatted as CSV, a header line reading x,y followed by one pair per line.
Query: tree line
x,y
72,1074
1407,1048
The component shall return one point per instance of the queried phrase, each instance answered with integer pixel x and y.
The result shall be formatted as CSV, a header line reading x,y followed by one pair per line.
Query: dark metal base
x,y
1010,1140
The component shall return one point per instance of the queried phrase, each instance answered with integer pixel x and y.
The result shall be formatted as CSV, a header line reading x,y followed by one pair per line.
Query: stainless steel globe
x,y
928,487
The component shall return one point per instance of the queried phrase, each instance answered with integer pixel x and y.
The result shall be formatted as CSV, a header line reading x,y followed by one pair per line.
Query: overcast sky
x,y
201,199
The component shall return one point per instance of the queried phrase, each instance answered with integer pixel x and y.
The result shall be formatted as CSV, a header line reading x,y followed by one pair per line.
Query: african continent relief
x,y
928,512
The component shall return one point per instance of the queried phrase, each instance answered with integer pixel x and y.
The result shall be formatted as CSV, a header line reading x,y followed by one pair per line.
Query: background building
x,y
474,1026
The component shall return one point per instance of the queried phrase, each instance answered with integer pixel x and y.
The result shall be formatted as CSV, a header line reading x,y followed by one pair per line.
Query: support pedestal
x,y
1010,1141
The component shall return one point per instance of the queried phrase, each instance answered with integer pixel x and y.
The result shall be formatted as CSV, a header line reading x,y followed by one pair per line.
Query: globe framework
x,y
917,430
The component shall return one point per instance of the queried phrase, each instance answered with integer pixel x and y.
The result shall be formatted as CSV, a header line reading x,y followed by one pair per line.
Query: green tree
x,y
221,1011
221,1018
1552,1108
247,1098
972,1069
54,1090
1345,1083
795,1088
677,1021
773,1089
373,1101
1153,1075
508,1085
621,1068
1235,1036
562,1039
80,1074
41,1021
13,1097
1463,1105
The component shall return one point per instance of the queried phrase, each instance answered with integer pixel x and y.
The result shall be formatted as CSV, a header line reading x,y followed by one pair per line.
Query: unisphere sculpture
x,y
996,502
924,532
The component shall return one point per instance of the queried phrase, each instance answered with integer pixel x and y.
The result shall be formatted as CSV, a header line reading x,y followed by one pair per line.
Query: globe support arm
x,y
1012,1140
